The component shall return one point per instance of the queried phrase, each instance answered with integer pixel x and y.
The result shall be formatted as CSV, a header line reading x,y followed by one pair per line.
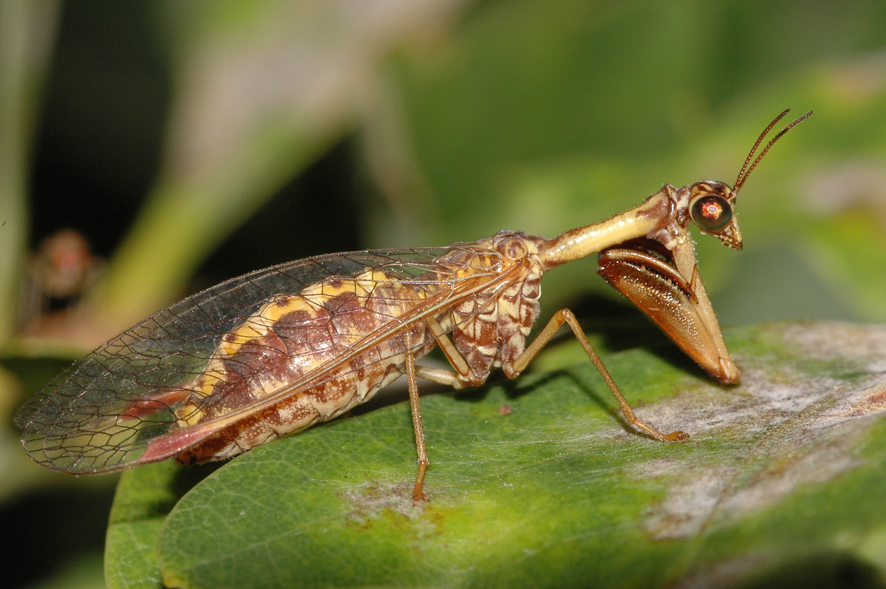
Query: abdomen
x,y
307,338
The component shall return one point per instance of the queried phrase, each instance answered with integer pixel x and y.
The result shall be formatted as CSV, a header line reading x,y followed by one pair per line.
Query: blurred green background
x,y
189,142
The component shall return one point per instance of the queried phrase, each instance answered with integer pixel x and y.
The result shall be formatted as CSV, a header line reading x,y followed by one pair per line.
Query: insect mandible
x,y
275,351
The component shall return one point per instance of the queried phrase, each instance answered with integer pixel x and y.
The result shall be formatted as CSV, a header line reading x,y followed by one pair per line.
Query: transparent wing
x,y
99,415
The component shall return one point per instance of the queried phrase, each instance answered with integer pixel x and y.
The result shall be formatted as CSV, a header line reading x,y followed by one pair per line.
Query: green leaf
x,y
538,483
144,498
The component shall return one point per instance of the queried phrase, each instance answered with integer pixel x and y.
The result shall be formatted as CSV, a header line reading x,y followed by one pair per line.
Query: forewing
x,y
99,415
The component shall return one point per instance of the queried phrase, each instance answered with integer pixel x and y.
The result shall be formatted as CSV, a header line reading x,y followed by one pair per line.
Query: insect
x,y
273,352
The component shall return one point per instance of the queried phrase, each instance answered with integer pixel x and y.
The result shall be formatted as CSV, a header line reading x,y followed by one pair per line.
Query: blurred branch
x,y
27,32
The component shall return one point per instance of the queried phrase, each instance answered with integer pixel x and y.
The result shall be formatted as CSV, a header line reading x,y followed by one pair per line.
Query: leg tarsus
x,y
417,492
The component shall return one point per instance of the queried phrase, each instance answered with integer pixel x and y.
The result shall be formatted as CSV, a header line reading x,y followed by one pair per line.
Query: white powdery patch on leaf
x,y
792,424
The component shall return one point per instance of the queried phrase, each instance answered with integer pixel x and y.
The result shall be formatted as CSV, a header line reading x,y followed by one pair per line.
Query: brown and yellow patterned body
x,y
317,335
278,350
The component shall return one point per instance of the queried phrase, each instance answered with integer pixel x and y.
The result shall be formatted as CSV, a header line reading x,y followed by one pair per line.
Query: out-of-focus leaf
x,y
263,88
537,483
542,118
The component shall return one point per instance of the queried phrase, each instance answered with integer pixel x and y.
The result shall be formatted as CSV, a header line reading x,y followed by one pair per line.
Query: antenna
x,y
742,176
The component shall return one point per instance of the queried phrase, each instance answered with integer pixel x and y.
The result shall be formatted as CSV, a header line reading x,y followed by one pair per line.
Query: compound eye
x,y
711,212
